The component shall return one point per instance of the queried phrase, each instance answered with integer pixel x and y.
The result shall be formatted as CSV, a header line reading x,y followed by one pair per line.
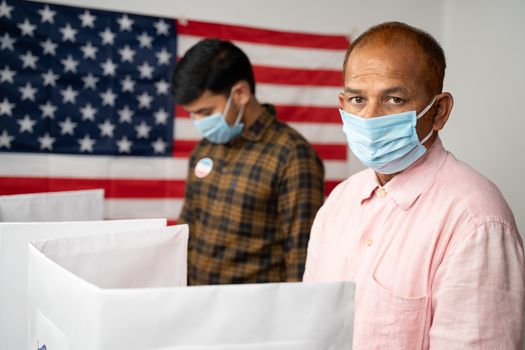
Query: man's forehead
x,y
386,64
207,99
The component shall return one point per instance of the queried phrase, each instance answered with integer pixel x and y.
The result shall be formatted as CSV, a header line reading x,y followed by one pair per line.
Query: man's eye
x,y
395,100
356,99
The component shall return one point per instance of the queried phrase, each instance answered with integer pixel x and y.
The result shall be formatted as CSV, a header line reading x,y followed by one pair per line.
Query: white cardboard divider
x,y
14,241
126,292
53,206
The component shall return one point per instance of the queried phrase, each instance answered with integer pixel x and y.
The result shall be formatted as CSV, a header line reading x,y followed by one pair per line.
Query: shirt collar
x,y
408,185
258,128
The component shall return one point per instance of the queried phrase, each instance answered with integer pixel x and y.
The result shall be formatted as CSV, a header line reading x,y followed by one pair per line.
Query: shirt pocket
x,y
388,321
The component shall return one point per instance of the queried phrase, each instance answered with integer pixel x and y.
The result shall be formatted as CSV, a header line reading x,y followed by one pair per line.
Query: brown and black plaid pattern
x,y
250,218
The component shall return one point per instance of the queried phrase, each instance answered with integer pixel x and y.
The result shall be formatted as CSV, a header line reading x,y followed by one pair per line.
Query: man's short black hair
x,y
211,64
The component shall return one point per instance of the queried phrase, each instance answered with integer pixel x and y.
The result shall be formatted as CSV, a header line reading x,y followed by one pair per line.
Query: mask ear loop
x,y
422,113
425,139
239,115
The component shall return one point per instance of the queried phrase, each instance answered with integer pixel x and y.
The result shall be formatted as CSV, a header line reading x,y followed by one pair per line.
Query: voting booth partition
x,y
128,291
53,206
14,242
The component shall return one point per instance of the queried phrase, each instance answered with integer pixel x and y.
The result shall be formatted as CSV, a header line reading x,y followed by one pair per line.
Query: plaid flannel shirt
x,y
250,216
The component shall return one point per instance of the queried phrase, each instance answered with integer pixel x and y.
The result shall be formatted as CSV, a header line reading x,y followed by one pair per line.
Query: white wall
x,y
485,46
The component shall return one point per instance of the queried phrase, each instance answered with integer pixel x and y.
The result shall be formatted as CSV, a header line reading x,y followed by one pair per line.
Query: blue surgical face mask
x,y
215,128
387,144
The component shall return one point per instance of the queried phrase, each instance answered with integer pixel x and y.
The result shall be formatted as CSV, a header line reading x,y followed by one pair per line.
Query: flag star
x,y
47,15
28,60
49,47
108,37
69,95
89,51
162,27
50,78
70,65
46,142
6,42
161,116
109,67
5,10
68,33
48,110
7,74
28,92
26,124
108,98
125,23
90,81
128,84
126,54
162,87
88,20
86,144
145,70
27,28
125,115
163,56
159,146
67,127
145,40
106,128
6,107
6,139
143,130
144,100
124,145
88,112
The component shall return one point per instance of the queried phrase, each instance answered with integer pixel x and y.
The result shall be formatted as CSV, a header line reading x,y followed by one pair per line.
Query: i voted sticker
x,y
203,167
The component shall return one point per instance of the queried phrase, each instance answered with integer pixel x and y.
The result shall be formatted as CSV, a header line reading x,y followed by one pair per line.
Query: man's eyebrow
x,y
391,90
200,110
353,91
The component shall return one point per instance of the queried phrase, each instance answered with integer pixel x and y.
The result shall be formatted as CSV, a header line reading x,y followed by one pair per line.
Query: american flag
x,y
85,101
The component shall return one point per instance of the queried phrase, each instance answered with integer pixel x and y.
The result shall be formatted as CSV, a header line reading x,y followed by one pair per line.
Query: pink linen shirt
x,y
435,253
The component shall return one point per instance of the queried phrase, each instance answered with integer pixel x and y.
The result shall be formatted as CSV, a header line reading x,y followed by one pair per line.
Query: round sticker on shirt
x,y
203,167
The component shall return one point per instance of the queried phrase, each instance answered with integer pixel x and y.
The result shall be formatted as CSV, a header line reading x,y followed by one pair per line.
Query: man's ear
x,y
241,93
341,97
444,104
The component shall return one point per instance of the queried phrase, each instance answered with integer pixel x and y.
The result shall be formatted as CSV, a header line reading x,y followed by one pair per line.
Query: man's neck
x,y
252,111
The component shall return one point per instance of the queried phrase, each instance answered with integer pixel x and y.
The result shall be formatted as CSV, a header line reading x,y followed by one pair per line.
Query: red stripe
x,y
263,36
329,186
183,148
331,151
308,114
299,114
293,76
114,188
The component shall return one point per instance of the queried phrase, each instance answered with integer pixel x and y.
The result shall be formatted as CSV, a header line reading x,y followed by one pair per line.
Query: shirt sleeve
x,y
478,292
301,193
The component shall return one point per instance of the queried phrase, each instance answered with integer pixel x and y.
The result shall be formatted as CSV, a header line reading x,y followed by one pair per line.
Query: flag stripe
x,y
298,114
326,152
113,188
290,76
33,165
121,208
256,35
277,56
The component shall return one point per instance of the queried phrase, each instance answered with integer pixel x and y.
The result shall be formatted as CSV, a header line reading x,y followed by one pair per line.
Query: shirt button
x,y
381,193
369,242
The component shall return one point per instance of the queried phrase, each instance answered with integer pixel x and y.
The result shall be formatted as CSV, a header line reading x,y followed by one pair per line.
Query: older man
x,y
432,244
